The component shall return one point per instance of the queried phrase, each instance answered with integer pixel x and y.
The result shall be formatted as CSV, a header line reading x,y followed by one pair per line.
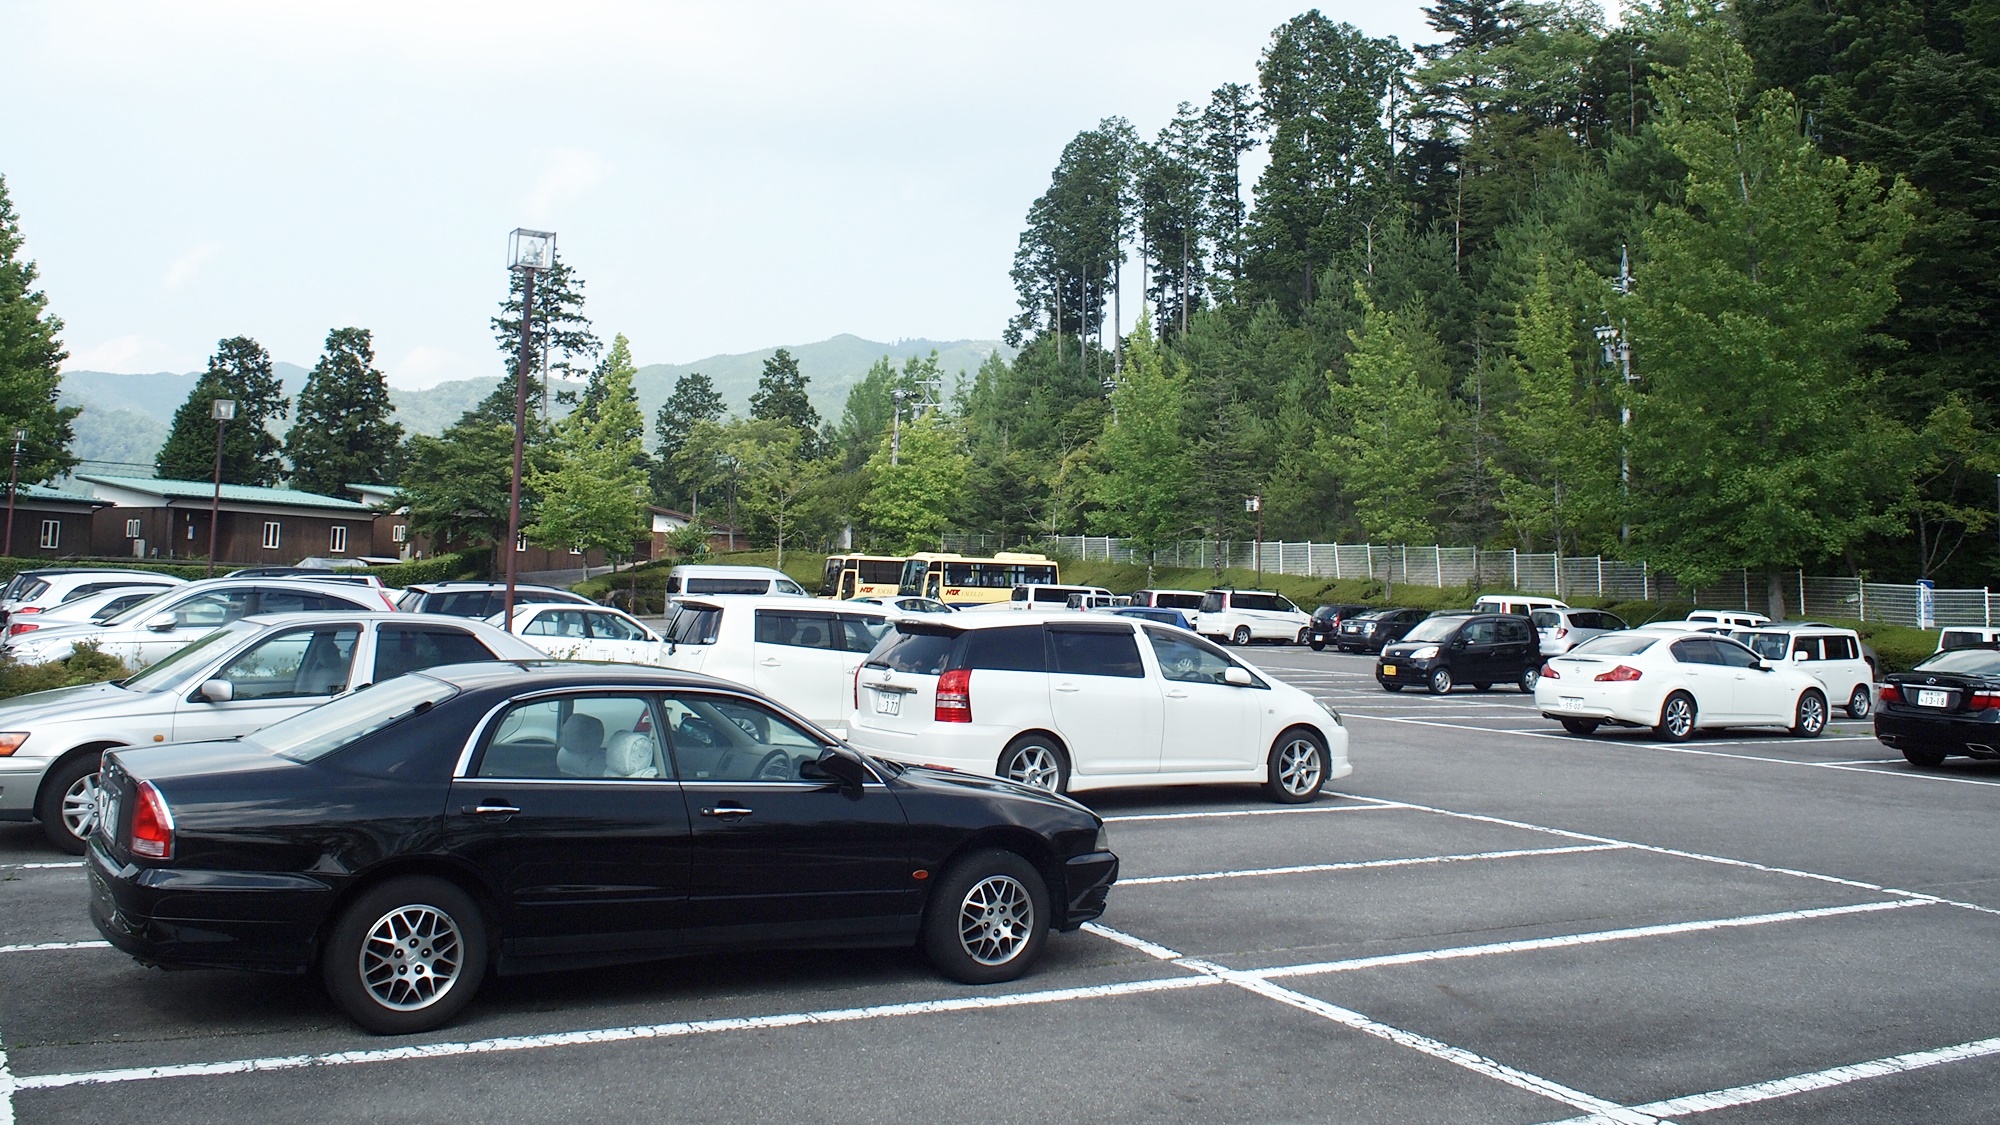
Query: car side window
x,y
1187,659
612,736
1695,650
555,623
412,648
1479,633
298,664
797,630
861,633
211,611
1515,631
1018,648
1770,646
1550,619
1841,648
728,738
1805,648
1096,652
611,627
1732,654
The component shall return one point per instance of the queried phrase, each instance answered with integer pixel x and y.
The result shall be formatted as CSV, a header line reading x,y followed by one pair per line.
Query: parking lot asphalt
x,y
1490,921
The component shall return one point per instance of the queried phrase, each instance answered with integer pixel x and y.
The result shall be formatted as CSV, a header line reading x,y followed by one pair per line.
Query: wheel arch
x,y
1040,732
1021,841
460,875
65,758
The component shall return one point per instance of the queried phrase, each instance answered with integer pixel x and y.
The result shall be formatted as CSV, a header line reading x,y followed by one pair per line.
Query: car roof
x,y
528,675
955,622
780,601
1795,627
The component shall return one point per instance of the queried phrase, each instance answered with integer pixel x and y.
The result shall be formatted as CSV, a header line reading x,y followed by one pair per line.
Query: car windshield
x,y
1970,661
1434,629
176,669
312,735
1770,646
1616,644
143,609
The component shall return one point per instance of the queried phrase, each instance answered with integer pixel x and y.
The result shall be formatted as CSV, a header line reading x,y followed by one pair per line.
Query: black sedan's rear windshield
x,y
1964,661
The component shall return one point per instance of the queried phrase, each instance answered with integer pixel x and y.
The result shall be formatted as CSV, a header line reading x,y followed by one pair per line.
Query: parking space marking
x,y
1424,1044
1724,861
49,946
1567,941
40,866
1805,1083
1364,864
601,1035
1373,805
6,1088
1150,949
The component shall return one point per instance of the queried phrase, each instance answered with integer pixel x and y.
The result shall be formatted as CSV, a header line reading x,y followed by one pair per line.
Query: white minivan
x,y
1833,656
1242,616
801,653
1074,702
1523,604
705,578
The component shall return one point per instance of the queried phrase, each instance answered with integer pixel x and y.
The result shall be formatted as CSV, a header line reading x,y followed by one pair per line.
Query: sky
x,y
725,177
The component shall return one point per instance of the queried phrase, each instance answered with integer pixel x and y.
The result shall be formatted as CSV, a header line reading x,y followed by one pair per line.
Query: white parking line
x,y
1150,949
6,1089
40,866
600,1035
49,946
1806,1083
1362,865
1373,805
1445,1052
1569,941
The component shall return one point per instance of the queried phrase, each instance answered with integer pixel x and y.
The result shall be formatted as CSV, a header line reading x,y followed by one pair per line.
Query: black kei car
x,y
1325,627
1948,704
405,840
1481,649
1368,632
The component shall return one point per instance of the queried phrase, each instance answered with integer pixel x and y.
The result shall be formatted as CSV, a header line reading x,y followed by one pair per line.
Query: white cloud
x,y
571,173
188,265
121,354
425,366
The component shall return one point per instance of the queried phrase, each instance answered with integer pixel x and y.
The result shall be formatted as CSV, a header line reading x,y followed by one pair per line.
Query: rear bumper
x,y
206,919
1087,883
1971,737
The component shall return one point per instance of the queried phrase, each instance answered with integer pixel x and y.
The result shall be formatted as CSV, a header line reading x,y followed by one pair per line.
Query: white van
x,y
1739,618
705,578
1520,604
802,654
1834,656
1242,616
1967,636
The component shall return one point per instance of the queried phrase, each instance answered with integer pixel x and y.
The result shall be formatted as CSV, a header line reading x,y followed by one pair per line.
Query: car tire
x,y
988,918
1580,726
1861,704
1440,681
68,806
1809,717
1677,718
1241,636
1482,687
1036,761
1530,676
1318,646
1305,637
1297,767
393,943
1392,687
1923,756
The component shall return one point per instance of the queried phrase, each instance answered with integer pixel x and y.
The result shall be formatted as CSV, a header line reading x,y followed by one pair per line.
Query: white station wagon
x,y
1070,702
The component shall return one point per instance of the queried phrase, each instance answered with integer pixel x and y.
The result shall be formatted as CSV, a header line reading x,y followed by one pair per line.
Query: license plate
x,y
1388,669
888,703
1933,698
107,813
1572,703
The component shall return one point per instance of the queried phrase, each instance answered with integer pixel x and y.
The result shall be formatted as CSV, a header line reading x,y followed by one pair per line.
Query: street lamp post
x,y
527,251
1256,504
222,410
896,425
13,484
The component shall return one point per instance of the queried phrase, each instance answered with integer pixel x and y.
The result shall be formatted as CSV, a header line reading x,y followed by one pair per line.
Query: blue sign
x,y
1926,604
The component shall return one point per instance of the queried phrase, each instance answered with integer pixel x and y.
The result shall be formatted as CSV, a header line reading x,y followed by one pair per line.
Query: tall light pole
x,y
13,483
527,251
222,410
896,424
1256,504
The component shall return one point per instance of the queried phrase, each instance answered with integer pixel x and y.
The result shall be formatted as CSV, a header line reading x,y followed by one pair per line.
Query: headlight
x,y
1425,653
1103,838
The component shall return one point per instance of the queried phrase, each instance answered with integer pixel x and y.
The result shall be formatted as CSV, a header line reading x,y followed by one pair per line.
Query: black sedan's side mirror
x,y
834,766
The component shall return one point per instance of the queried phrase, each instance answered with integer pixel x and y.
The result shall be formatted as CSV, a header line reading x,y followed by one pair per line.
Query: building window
x,y
521,542
131,529
399,533
51,534
271,531
337,540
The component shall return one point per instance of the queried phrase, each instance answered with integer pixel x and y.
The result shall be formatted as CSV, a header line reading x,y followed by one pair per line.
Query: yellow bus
x,y
862,576
961,579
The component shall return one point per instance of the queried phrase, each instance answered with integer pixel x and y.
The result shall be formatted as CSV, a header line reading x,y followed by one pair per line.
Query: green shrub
x,y
84,666
9,567
444,568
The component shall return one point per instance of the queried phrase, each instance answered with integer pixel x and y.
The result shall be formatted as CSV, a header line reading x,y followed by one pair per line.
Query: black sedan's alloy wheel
x,y
988,918
406,956
1529,676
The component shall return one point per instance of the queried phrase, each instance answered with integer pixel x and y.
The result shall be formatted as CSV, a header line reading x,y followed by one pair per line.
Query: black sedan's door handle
x,y
726,810
491,808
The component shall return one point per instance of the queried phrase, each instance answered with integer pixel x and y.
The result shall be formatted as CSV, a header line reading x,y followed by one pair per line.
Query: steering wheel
x,y
1184,665
775,766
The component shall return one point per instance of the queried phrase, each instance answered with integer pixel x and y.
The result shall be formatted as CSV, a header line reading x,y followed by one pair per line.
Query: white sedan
x,y
1676,682
578,632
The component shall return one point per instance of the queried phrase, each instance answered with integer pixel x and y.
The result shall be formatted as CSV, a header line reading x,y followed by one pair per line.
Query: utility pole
x,y
13,484
222,410
896,425
528,251
1617,343
1256,504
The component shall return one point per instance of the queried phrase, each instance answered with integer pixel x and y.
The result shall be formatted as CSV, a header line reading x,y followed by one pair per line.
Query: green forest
x,y
1712,287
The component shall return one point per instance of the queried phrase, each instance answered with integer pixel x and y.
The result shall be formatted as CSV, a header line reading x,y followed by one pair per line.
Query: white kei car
x,y
1071,702
801,652
576,632
1676,682
234,681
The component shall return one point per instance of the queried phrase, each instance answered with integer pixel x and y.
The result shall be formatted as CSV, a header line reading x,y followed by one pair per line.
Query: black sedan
x,y
1948,704
1325,627
404,840
1368,632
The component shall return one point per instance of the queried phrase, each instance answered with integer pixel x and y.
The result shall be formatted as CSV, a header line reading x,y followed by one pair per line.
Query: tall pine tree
x,y
344,430
30,359
693,401
240,369
781,397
